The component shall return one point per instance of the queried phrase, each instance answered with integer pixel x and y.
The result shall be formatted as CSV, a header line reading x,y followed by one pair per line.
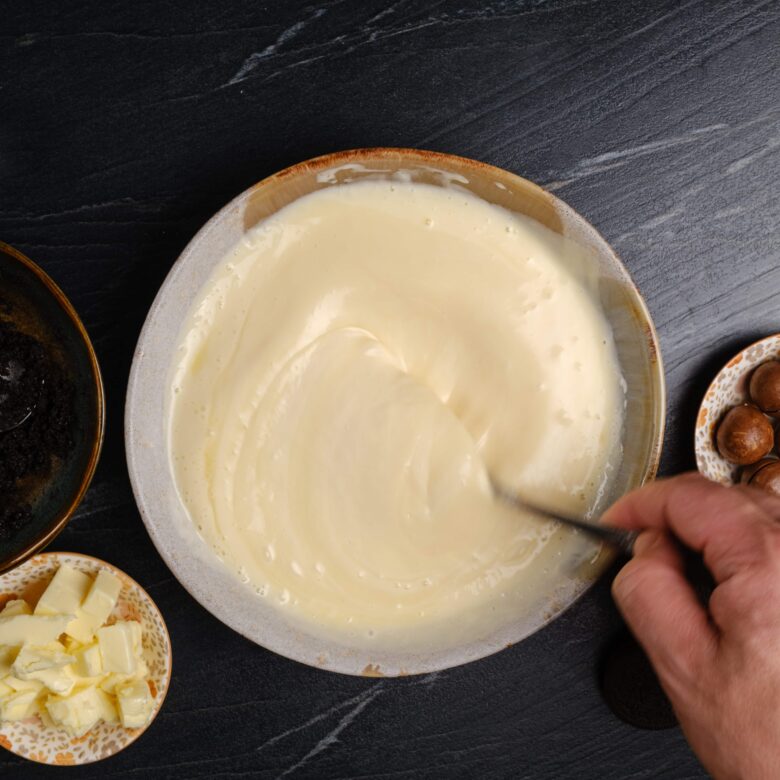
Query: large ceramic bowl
x,y
172,531
35,305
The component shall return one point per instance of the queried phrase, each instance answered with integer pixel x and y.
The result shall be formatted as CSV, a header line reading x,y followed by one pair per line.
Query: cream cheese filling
x,y
348,378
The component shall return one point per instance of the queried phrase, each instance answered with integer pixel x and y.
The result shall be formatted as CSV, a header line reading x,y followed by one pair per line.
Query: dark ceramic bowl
x,y
34,304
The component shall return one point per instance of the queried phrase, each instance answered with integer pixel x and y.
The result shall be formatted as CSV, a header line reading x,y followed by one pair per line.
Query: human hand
x,y
719,665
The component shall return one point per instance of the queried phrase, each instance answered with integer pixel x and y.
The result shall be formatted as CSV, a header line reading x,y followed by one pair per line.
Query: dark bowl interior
x,y
31,301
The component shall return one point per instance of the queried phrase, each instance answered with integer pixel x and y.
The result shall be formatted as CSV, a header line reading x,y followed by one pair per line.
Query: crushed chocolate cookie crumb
x,y
29,451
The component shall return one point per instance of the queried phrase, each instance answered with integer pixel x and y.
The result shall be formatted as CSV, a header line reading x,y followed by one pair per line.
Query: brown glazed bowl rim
x,y
64,515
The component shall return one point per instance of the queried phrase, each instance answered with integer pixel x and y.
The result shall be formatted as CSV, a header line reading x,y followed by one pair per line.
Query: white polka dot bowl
x,y
729,388
35,741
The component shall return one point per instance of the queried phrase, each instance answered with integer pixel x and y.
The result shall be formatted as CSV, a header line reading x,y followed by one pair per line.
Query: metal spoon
x,y
14,408
617,537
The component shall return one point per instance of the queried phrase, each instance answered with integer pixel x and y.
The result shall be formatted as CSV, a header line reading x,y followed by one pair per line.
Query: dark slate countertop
x,y
124,126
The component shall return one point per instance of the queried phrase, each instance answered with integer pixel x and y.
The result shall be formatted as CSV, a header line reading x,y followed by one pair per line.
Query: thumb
x,y
662,609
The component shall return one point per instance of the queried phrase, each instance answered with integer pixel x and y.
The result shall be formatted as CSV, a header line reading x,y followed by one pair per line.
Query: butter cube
x,y
117,647
39,707
72,645
32,629
97,606
138,637
43,714
135,704
112,681
24,685
19,706
7,657
66,591
83,627
16,607
38,658
89,662
47,664
61,681
76,713
108,711
102,596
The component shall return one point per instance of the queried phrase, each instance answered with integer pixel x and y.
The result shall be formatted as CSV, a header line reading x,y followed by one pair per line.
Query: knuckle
x,y
773,545
628,583
765,546
723,604
747,600
753,549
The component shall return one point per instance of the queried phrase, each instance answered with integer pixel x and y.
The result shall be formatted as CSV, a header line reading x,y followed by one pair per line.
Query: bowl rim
x,y
66,513
423,157
137,733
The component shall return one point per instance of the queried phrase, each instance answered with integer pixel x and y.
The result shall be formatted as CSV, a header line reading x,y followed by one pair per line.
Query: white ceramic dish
x,y
194,563
30,738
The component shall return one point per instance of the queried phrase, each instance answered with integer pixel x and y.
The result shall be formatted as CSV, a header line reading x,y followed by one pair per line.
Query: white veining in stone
x,y
333,735
606,161
253,60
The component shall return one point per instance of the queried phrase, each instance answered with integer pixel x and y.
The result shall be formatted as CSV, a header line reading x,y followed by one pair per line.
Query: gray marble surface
x,y
124,126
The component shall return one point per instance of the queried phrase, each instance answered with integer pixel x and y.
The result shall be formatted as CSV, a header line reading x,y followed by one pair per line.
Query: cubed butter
x,y
108,711
112,681
68,588
16,607
138,638
48,664
76,713
142,670
59,661
38,658
8,655
117,647
39,706
60,681
43,714
102,596
32,629
88,661
135,703
97,606
24,685
19,705
71,644
83,627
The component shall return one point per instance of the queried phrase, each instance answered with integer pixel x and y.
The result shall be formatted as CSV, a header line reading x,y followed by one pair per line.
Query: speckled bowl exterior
x,y
146,421
34,304
30,738
729,388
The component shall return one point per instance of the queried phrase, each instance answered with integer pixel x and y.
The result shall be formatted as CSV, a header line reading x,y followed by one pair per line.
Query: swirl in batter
x,y
348,378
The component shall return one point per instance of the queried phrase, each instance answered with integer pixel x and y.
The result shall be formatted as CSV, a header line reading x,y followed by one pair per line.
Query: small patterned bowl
x,y
30,738
729,388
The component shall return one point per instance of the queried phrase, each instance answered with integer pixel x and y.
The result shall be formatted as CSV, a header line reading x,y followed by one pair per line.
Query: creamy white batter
x,y
350,375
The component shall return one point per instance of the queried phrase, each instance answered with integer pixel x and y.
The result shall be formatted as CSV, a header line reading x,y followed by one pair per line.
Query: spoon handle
x,y
619,538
